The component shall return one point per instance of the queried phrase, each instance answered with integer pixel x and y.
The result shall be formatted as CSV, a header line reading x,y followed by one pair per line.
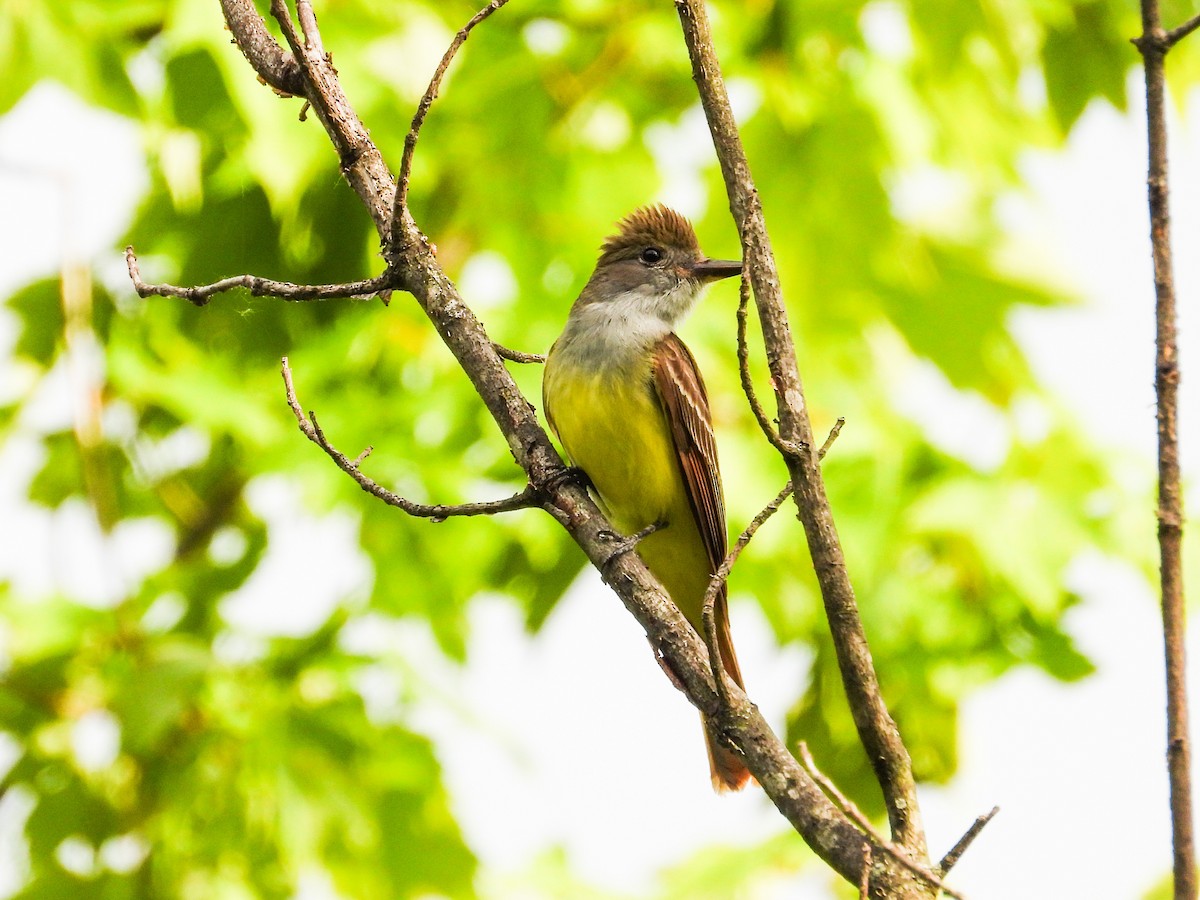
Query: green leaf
x,y
39,307
1084,56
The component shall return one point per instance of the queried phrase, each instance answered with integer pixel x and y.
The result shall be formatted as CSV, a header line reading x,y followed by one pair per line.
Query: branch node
x,y
846,805
793,451
275,67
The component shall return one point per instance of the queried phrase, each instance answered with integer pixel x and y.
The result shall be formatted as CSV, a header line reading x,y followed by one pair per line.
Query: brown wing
x,y
681,392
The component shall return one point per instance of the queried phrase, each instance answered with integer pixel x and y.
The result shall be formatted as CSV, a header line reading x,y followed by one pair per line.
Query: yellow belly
x,y
615,430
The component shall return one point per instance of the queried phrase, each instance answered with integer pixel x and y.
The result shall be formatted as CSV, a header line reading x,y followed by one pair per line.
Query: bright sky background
x,y
1077,770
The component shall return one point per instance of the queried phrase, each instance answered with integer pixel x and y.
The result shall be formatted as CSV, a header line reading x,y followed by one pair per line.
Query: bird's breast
x,y
612,426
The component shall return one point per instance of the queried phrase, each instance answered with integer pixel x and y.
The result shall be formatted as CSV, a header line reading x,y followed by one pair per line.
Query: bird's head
x,y
655,262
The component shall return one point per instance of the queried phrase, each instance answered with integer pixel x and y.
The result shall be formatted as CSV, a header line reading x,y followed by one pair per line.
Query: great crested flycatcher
x,y
624,396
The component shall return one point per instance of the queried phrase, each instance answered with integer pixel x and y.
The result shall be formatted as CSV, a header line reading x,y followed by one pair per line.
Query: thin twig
x,y
846,805
831,437
743,355
200,295
1175,35
718,581
434,512
950,860
518,356
1153,47
864,883
431,92
308,26
627,544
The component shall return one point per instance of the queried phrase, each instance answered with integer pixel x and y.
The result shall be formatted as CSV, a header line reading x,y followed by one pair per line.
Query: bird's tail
x,y
728,771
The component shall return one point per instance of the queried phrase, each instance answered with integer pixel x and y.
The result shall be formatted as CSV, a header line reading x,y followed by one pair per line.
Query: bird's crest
x,y
650,226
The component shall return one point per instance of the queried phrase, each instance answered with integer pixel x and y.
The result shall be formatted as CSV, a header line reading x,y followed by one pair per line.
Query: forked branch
x,y
437,512
876,729
275,67
721,576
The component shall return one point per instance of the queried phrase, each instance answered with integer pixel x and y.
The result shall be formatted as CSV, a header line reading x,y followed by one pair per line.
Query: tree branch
x,y
308,27
950,860
517,356
200,295
721,576
1153,45
438,512
847,806
718,580
360,160
792,790
275,67
743,355
1175,35
876,729
414,132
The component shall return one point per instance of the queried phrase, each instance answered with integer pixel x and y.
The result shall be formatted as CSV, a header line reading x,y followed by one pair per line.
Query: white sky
x,y
1077,770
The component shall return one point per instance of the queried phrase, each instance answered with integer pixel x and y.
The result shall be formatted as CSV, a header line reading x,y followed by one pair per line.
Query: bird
x,y
626,400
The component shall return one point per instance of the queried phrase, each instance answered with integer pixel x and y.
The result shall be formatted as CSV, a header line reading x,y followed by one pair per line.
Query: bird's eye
x,y
652,255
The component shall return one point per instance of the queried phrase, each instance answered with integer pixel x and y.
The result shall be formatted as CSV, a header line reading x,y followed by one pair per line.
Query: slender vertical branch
x,y
1153,45
877,731
360,161
414,132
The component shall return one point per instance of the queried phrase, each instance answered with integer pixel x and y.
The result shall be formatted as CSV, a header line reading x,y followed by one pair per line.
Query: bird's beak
x,y
715,269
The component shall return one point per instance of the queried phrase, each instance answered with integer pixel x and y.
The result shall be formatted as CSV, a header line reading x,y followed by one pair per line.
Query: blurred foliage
x,y
241,766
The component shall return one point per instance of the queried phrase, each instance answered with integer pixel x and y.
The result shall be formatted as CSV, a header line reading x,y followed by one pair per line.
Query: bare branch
x,y
950,860
200,295
846,805
517,356
308,27
1154,45
361,163
721,576
743,355
1175,35
431,92
831,437
626,544
877,731
277,68
718,581
438,512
